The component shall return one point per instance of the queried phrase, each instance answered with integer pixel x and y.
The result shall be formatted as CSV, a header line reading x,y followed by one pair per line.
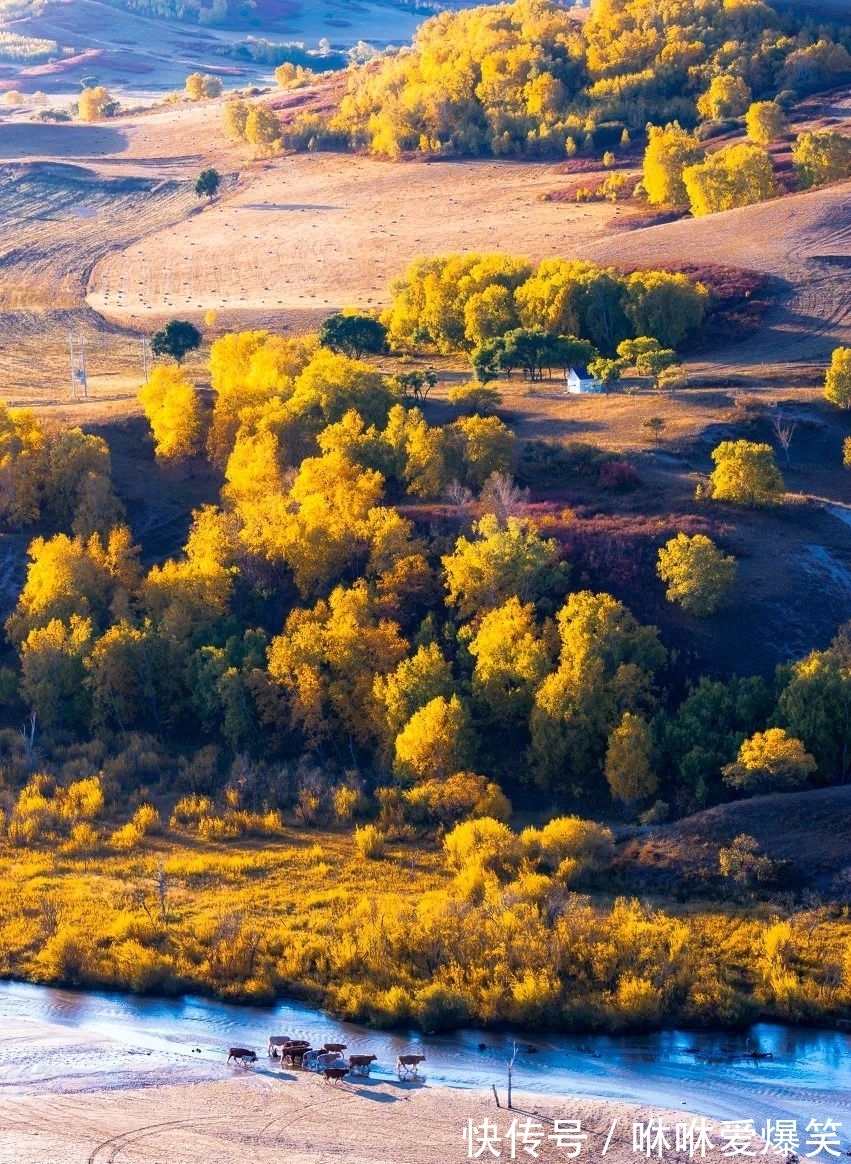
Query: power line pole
x,y
71,357
77,355
145,357
83,381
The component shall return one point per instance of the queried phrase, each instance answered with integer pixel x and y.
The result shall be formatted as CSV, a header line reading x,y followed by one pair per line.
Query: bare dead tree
x,y
458,495
501,497
162,889
28,736
784,430
511,1071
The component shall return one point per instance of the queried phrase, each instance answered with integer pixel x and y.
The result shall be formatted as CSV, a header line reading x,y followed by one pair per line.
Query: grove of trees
x,y
507,314
541,83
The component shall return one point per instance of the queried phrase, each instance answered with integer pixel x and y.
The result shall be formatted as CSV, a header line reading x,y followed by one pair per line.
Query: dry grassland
x,y
323,232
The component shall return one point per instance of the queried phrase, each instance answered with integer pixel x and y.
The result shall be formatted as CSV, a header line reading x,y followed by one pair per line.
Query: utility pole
x,y
145,357
82,376
71,357
77,356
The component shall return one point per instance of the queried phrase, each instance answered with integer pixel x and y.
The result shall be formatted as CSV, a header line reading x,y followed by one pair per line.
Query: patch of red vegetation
x,y
64,66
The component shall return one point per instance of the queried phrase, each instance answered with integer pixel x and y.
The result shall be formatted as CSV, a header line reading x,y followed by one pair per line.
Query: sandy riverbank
x,y
73,1097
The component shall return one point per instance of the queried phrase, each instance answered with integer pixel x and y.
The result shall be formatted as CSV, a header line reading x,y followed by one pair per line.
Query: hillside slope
x,y
809,830
801,240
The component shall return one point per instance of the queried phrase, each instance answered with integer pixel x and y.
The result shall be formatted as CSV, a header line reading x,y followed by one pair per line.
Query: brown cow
x,y
406,1065
334,1047
243,1055
361,1063
334,1074
293,1052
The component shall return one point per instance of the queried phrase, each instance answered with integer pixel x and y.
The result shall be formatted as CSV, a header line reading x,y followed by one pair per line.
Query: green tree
x,y
697,573
664,306
176,339
765,122
705,734
770,761
607,666
837,378
353,334
207,184
746,474
52,672
815,706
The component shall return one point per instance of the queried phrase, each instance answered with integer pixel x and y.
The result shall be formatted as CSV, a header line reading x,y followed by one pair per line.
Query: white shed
x,y
580,380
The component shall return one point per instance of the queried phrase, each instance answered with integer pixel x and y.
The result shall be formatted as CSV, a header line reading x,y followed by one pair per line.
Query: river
x,y
808,1076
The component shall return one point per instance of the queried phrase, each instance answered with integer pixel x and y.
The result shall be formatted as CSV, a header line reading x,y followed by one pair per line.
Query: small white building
x,y
580,380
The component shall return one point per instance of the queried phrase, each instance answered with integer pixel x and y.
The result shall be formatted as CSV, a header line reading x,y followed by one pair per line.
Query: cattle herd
x,y
328,1059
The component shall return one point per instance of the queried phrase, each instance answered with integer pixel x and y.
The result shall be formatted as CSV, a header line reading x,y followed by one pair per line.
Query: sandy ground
x,y
58,1103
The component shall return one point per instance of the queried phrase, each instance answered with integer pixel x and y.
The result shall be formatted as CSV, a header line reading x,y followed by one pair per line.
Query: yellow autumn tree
x,y
181,596
697,573
512,659
52,671
95,103
327,660
669,151
765,122
262,128
728,95
68,576
770,761
416,681
746,474
500,563
23,467
174,411
738,175
435,742
628,771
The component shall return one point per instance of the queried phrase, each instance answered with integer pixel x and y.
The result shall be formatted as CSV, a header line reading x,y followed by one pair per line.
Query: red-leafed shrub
x,y
619,476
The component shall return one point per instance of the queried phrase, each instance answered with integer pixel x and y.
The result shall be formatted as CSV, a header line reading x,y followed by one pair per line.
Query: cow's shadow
x,y
378,1096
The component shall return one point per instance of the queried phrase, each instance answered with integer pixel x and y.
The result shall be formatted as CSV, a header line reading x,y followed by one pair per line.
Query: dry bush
x,y
370,842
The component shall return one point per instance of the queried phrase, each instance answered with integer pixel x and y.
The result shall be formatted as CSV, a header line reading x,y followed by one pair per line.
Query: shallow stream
x,y
156,1039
